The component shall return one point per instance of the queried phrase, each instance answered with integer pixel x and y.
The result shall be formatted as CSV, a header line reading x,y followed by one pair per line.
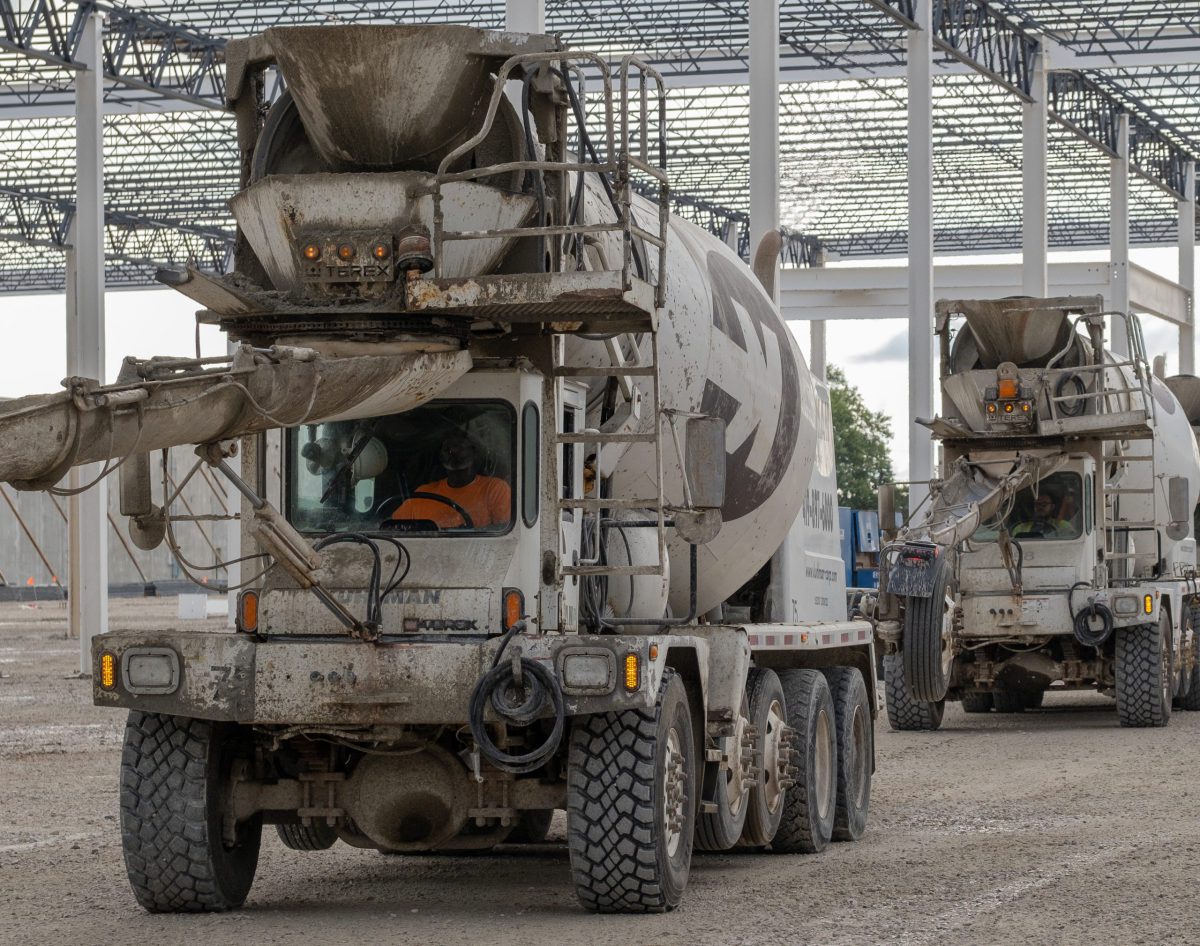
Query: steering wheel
x,y
468,522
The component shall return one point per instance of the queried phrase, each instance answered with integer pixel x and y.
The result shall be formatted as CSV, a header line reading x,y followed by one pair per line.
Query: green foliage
x,y
861,442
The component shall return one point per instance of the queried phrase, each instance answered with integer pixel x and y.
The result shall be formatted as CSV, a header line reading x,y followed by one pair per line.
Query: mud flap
x,y
908,569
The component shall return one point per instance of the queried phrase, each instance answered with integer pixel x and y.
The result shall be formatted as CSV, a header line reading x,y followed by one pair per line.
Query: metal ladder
x,y
616,434
1114,528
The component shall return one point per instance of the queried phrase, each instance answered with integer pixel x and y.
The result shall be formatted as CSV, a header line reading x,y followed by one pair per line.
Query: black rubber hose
x,y
538,688
1082,625
1080,403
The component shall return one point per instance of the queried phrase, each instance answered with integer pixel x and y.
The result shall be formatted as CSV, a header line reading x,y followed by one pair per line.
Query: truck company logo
x,y
753,387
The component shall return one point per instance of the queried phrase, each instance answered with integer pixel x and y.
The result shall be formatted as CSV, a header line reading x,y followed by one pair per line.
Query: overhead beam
x,y
139,51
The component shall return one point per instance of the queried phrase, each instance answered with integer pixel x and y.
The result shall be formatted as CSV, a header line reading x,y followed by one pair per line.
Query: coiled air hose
x,y
518,703
1081,621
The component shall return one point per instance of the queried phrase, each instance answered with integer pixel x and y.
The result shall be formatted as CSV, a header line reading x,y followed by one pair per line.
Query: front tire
x,y
855,751
1143,674
905,713
173,774
929,637
631,805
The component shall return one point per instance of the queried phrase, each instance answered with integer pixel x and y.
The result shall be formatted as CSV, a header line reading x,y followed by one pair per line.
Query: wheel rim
x,y
823,764
773,757
858,733
947,635
674,792
736,787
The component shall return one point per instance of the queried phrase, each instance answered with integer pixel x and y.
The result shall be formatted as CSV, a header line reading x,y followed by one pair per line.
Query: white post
x,y
1034,252
1187,268
525,16
764,123
88,533
920,252
816,337
1118,239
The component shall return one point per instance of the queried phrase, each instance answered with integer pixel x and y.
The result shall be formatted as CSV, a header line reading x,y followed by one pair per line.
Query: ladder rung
x,y
597,437
1136,458
603,371
1131,524
609,503
1140,491
614,570
1121,556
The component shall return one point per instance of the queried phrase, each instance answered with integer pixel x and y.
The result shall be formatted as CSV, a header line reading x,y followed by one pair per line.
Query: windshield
x,y
1054,511
444,468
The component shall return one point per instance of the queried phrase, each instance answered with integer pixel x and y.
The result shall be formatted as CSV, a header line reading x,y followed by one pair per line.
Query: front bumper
x,y
236,677
1040,615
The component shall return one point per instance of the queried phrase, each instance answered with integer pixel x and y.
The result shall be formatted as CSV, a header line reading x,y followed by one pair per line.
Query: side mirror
x,y
1179,508
704,473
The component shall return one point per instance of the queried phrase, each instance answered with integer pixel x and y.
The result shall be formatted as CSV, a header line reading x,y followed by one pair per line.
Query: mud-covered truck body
x,y
1058,547
538,496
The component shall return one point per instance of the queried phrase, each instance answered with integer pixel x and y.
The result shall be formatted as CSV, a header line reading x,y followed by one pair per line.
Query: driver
x,y
486,499
1044,521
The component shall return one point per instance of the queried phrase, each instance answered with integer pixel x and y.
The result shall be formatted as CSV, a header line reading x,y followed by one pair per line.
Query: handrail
x,y
623,156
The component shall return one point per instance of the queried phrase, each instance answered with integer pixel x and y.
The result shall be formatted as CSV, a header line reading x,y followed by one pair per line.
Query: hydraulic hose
x,y
1081,621
518,703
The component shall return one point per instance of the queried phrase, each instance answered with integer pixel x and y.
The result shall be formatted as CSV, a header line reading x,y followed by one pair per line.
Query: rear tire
x,y
317,836
975,702
810,803
768,716
631,805
173,773
721,830
532,827
906,714
855,751
1191,690
929,637
1009,701
1143,672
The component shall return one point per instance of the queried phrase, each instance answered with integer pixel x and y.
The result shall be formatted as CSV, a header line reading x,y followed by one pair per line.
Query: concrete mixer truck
x,y
554,526
1058,546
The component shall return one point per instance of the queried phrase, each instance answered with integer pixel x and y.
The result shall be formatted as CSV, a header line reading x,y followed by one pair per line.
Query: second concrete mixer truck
x,y
539,493
1058,547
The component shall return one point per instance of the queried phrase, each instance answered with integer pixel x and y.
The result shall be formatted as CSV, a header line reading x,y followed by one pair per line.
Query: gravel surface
x,y
1051,827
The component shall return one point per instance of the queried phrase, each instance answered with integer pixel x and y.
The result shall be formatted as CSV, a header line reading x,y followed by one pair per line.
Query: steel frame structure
x,y
170,168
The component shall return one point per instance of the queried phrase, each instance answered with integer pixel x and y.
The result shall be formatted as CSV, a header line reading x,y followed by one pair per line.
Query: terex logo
x,y
414,625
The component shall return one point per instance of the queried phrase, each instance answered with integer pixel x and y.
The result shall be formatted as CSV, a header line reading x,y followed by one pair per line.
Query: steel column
x,y
88,512
816,335
1034,273
525,16
1187,268
1118,237
764,123
920,251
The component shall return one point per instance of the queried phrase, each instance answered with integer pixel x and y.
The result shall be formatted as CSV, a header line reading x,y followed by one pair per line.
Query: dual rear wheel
x,y
634,781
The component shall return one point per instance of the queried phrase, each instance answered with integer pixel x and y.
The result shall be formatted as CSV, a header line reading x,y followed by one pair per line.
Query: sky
x,y
161,322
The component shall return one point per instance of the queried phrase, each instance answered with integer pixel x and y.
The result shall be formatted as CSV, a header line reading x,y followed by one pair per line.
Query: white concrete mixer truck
x,y
1058,546
555,523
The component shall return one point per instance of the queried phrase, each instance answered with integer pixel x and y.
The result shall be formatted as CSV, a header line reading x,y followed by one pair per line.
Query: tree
x,y
861,438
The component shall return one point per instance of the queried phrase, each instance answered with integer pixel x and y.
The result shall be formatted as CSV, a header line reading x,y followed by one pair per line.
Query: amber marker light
x,y
381,251
247,612
1008,408
632,675
311,252
514,606
1007,388
108,670
1148,604
346,251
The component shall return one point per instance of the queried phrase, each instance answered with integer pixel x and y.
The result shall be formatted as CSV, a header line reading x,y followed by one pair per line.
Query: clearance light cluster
x,y
379,250
1008,403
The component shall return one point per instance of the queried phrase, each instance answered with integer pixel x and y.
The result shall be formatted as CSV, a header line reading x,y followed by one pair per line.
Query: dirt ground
x,y
1052,827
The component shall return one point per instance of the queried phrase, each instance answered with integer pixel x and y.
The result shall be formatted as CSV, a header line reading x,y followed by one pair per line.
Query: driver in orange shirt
x,y
485,500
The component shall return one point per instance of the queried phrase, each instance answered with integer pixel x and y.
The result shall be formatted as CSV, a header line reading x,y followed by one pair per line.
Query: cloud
x,y
892,349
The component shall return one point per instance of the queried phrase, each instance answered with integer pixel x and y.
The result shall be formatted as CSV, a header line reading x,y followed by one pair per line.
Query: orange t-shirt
x,y
487,500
